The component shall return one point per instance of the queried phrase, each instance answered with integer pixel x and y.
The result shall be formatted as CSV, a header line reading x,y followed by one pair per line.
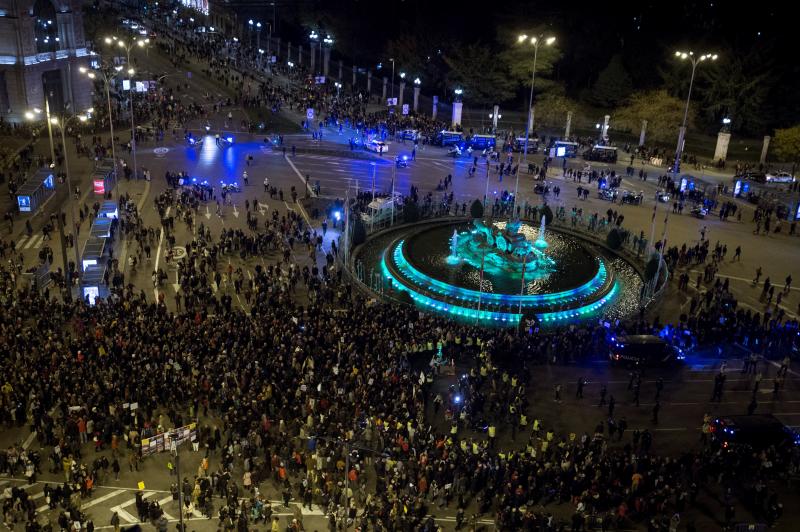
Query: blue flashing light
x,y
405,157
230,139
337,215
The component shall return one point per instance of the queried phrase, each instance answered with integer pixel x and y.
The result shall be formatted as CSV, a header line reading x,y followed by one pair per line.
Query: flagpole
x,y
522,287
661,254
394,168
480,287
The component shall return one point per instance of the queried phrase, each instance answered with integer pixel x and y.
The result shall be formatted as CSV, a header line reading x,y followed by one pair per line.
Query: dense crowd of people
x,y
309,383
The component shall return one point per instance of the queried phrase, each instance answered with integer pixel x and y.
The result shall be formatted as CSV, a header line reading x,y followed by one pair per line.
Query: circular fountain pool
x,y
499,273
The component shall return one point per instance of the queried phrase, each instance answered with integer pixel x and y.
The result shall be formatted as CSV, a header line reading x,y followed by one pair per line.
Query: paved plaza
x,y
310,174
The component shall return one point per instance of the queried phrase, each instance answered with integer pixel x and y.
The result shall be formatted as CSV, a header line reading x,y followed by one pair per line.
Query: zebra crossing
x,y
30,242
107,500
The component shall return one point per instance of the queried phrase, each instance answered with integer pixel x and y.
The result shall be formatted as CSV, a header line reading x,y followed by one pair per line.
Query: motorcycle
x,y
230,187
607,194
193,142
401,161
458,151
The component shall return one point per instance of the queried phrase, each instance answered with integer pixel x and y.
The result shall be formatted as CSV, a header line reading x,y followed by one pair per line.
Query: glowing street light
x,y
535,41
694,60
417,81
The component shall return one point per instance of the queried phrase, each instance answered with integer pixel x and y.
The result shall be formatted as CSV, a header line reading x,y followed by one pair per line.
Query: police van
x,y
448,138
481,142
563,148
519,144
603,154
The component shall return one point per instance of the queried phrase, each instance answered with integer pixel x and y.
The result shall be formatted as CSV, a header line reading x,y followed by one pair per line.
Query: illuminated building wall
x,y
41,48
198,5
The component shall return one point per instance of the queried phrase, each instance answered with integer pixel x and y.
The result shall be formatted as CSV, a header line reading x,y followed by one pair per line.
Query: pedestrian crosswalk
x,y
107,500
30,242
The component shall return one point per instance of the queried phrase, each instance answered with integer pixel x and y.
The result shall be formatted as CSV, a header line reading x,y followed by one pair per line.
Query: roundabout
x,y
499,273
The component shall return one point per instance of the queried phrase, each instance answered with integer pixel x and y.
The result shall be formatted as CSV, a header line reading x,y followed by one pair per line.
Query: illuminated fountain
x,y
497,272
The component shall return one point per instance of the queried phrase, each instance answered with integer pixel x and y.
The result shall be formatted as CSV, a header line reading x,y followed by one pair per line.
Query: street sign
x,y
319,80
391,101
310,113
405,108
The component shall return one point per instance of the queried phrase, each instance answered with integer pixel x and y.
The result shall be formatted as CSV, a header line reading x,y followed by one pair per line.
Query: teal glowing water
x,y
475,273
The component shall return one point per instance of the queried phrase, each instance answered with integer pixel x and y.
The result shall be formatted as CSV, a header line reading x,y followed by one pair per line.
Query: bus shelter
x,y
35,191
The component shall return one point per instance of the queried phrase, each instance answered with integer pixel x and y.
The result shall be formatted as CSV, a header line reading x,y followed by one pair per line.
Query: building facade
x,y
42,46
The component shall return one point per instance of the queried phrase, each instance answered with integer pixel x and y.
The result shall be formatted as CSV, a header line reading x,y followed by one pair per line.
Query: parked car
x,y
643,350
758,177
632,198
757,431
378,146
779,177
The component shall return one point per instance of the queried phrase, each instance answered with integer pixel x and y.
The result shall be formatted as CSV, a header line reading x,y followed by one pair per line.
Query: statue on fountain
x,y
505,247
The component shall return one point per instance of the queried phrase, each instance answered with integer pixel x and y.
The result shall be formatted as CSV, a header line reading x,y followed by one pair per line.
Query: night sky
x,y
645,34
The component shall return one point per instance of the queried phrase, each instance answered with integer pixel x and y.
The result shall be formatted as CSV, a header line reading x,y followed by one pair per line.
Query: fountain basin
x,y
579,283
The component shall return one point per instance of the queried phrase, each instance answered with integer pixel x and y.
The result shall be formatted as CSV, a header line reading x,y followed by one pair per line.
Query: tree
x,y
664,115
518,58
478,72
613,85
476,209
551,109
786,144
735,87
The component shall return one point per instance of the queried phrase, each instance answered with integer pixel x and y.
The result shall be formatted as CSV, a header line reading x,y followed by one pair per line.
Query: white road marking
x,y
104,498
35,241
29,440
158,251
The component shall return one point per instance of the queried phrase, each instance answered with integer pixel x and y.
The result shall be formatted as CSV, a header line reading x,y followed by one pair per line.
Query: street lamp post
x,y
141,43
314,37
60,124
535,41
392,60
682,133
328,40
107,81
49,130
32,115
